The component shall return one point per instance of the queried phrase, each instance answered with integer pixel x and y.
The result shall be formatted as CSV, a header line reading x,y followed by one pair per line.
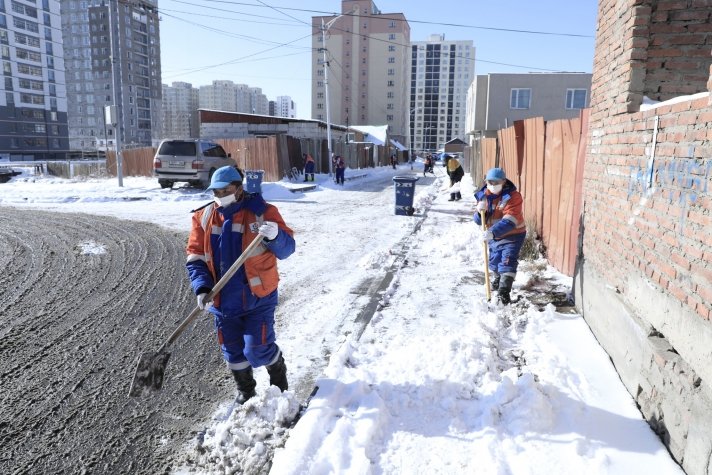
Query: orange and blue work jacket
x,y
504,215
219,236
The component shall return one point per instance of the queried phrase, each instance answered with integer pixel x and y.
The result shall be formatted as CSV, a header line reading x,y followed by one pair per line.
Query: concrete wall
x,y
548,97
644,271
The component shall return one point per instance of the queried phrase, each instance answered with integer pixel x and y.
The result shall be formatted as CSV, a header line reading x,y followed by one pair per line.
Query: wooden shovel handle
x,y
221,283
486,254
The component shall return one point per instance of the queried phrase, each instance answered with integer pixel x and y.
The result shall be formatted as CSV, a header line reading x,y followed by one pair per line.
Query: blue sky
x,y
266,43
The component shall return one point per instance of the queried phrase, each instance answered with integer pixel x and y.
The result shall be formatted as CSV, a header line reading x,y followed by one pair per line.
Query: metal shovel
x,y
152,366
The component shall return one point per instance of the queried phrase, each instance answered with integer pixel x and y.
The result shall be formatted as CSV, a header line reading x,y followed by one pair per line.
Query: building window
x,y
391,36
391,48
391,60
391,72
576,98
389,118
392,24
520,99
391,83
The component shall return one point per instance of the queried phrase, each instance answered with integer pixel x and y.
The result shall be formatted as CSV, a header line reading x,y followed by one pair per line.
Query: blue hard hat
x,y
223,176
495,174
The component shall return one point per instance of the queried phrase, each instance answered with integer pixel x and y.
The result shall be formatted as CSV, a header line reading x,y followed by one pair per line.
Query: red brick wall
x,y
653,223
654,48
658,223
644,272
678,49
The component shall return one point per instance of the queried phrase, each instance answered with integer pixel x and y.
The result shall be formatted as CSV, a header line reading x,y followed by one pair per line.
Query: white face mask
x,y
496,189
225,200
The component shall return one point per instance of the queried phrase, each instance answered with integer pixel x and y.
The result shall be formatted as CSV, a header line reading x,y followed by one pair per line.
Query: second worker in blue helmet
x,y
506,229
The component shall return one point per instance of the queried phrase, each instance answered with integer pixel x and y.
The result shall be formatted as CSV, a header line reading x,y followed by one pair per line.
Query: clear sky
x,y
267,43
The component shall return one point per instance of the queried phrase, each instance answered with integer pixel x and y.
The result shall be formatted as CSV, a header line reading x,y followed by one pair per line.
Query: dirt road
x,y
81,296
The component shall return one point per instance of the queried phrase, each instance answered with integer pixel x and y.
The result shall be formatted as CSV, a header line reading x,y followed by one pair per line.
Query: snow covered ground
x,y
386,315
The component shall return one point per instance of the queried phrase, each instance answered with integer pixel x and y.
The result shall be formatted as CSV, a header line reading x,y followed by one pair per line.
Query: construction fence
x,y
545,162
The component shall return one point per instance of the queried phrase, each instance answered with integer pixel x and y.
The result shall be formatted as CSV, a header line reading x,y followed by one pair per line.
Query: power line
x,y
477,27
375,39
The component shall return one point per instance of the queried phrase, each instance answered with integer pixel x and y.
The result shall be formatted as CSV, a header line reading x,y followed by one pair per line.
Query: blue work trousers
x,y
504,253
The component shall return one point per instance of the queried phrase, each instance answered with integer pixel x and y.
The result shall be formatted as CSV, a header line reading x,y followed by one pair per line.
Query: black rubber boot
x,y
505,287
278,373
245,384
494,280
452,197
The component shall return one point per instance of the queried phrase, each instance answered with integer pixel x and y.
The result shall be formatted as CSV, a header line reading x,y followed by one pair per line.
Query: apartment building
x,y
367,81
180,111
496,100
440,75
225,95
112,57
285,107
33,106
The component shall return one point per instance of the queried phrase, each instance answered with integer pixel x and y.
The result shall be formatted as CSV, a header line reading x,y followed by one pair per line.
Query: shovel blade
x,y
149,373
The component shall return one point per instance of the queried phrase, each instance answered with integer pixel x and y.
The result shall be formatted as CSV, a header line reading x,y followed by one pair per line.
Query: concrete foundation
x,y
659,352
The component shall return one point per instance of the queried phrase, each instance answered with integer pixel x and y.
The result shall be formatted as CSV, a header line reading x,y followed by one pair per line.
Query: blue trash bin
x,y
404,187
253,181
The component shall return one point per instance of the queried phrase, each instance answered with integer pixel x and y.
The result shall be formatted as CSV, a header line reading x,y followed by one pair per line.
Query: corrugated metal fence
x,y
545,162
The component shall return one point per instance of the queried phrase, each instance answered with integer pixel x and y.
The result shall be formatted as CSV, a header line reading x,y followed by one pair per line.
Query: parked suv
x,y
193,161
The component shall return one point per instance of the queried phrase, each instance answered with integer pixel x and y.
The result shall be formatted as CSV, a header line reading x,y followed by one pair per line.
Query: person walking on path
x,y
455,172
506,230
428,165
244,309
394,160
340,169
308,167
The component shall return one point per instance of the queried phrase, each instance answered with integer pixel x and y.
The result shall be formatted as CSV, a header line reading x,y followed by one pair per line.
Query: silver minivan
x,y
192,161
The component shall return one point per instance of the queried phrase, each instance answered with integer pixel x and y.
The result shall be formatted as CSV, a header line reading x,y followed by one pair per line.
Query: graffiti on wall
x,y
679,180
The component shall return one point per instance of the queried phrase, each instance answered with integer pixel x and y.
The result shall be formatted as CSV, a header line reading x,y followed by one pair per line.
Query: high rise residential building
x,y
440,75
367,57
272,109
180,111
285,107
227,96
33,108
112,57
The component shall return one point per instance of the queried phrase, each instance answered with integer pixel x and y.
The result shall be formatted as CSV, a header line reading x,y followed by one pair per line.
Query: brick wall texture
x,y
648,206
651,214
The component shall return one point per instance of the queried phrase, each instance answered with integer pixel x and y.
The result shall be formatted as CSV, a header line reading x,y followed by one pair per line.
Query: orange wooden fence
x,y
545,162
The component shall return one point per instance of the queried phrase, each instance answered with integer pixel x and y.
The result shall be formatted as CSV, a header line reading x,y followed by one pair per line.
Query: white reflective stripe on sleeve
x,y
238,366
206,216
215,230
196,257
238,228
255,281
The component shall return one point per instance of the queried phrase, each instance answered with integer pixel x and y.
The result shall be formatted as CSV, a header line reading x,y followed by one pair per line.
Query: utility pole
x,y
114,114
326,92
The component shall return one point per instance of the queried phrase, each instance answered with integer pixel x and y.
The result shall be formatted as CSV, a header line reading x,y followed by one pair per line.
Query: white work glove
x,y
481,206
202,301
269,230
487,236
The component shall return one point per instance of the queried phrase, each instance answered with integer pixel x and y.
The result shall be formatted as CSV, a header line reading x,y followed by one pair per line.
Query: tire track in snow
x,y
72,325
